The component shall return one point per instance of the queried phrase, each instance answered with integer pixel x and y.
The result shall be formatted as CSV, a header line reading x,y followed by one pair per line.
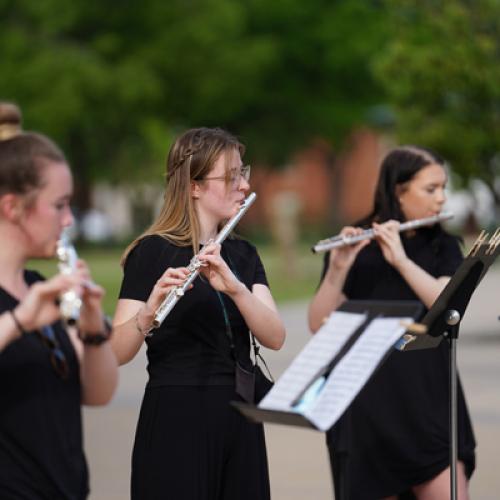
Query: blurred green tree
x,y
441,72
113,82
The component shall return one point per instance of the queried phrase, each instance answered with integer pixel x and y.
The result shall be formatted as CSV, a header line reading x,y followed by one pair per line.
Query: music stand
x,y
371,312
443,320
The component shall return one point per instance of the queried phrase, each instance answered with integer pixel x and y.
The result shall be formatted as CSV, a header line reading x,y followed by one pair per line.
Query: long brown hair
x,y
191,158
23,155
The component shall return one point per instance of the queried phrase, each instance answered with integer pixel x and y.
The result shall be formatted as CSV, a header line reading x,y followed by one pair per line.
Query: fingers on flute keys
x,y
173,276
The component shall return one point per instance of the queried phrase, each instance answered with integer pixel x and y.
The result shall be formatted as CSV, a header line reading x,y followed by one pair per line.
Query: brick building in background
x,y
320,187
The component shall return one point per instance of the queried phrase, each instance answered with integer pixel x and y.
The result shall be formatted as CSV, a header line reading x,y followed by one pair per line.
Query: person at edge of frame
x,y
47,371
393,441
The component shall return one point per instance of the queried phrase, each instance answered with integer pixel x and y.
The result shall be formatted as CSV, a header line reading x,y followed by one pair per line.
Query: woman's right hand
x,y
342,258
172,277
330,293
39,306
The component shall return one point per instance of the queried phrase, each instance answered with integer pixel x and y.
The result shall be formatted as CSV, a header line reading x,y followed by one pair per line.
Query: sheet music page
x,y
315,356
353,371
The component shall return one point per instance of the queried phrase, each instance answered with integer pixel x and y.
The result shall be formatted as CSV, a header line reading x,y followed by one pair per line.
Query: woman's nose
x,y
244,184
68,218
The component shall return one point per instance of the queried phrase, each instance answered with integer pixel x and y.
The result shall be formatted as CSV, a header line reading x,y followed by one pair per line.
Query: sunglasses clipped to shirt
x,y
57,356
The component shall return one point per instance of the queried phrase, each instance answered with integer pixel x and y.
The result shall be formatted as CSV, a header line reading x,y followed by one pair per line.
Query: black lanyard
x,y
229,331
227,323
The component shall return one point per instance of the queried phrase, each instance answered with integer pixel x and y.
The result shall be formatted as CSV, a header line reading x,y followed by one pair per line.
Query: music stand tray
x,y
333,354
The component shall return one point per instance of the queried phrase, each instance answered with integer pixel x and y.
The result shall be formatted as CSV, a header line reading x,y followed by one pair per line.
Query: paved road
x,y
298,459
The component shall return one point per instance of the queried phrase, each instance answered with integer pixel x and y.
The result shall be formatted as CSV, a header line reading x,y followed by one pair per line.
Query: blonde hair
x,y
191,158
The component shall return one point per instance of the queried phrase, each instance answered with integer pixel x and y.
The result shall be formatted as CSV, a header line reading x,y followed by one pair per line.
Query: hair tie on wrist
x,y
22,331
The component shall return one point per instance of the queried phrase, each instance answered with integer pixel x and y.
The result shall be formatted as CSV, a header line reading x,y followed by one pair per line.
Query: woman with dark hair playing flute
x,y
190,444
398,440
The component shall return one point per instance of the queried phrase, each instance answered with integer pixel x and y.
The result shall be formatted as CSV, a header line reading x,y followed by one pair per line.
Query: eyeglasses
x,y
57,357
234,177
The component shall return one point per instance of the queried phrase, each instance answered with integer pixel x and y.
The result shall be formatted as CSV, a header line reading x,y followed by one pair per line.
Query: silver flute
x,y
368,234
69,302
195,264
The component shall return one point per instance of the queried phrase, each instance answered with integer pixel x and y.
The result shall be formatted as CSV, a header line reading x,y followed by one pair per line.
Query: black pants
x,y
191,445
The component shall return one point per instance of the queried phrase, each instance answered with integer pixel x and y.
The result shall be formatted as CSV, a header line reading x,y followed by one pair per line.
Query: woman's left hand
x,y
387,236
217,271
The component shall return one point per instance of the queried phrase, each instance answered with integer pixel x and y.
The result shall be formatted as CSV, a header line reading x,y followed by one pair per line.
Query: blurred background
x,y
318,91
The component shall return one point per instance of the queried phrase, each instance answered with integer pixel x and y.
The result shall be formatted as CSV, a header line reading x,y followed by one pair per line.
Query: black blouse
x,y
41,453
192,346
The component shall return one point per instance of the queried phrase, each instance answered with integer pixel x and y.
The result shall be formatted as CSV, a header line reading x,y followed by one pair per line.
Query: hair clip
x,y
9,130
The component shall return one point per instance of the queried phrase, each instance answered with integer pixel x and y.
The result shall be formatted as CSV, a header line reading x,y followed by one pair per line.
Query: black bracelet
x,y
97,338
17,322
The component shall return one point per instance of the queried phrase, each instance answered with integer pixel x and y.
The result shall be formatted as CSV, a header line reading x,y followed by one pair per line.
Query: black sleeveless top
x,y
41,453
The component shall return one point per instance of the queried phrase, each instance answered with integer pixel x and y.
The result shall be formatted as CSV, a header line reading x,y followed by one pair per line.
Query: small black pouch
x,y
262,384
252,384
245,383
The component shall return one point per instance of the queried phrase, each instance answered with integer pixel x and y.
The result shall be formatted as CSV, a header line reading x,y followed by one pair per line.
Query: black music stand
x,y
443,320
372,310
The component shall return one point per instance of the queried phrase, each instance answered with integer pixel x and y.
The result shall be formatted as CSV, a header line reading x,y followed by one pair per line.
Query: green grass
x,y
287,281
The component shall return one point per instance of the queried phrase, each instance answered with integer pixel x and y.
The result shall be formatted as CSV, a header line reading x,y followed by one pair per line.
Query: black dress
x,y
395,434
41,453
190,444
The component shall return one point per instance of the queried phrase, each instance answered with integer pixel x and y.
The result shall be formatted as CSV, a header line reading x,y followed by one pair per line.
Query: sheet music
x,y
353,371
315,356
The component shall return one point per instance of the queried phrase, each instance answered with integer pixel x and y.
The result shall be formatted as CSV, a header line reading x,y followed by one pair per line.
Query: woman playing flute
x,y
398,426
46,370
190,444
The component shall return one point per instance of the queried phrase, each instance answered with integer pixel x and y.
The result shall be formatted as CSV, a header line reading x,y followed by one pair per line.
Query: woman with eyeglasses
x,y
393,441
190,444
46,370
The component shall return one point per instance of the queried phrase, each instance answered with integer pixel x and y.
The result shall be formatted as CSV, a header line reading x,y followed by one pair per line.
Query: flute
x,y
195,264
368,234
70,302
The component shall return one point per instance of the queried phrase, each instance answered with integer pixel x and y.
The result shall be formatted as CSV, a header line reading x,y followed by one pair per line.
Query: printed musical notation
x,y
353,371
325,402
315,356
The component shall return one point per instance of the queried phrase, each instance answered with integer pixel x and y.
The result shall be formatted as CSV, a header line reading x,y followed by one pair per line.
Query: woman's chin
x,y
48,252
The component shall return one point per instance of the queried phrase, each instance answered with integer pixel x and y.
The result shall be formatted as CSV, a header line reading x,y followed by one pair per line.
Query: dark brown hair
x,y
398,167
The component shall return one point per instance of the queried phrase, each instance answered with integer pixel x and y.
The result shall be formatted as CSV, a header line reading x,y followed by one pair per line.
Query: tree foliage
x,y
441,73
112,82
